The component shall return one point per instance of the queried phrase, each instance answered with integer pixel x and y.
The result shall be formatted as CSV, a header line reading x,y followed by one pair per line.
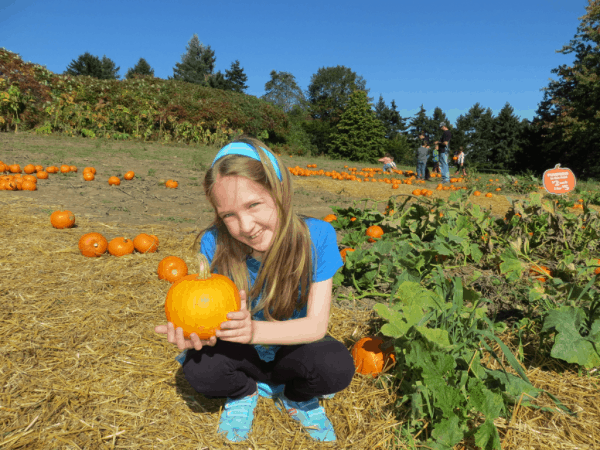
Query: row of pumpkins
x,y
28,182
181,302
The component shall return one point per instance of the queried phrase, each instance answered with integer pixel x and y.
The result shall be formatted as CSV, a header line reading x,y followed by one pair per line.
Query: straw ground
x,y
81,368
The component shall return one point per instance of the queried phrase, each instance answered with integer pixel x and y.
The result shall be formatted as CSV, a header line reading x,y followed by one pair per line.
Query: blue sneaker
x,y
236,419
312,417
267,390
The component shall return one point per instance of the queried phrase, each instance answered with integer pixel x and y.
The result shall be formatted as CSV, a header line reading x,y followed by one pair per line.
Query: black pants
x,y
231,370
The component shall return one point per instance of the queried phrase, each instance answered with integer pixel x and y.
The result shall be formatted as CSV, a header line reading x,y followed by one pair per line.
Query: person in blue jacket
x,y
277,344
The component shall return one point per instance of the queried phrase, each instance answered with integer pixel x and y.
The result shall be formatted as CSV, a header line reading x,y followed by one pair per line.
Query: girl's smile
x,y
247,210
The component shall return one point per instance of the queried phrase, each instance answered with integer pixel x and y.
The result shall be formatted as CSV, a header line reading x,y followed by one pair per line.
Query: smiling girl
x,y
276,345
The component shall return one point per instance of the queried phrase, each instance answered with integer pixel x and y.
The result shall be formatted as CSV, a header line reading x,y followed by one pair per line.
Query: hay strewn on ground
x,y
81,367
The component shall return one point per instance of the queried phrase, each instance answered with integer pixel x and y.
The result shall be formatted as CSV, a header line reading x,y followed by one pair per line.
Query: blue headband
x,y
241,148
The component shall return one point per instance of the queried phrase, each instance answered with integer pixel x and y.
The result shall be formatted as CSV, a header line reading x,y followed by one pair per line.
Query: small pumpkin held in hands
x,y
120,246
172,269
92,244
62,219
370,358
199,303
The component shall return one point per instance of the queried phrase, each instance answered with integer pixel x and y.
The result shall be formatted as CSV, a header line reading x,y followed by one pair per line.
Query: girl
x,y
276,345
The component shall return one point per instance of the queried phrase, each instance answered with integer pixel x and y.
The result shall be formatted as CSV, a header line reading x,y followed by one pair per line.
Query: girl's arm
x,y
286,332
299,331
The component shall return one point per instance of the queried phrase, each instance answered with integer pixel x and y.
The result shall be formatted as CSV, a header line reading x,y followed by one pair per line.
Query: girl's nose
x,y
246,224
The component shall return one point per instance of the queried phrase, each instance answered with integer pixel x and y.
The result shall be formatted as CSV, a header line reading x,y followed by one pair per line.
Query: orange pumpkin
x,y
114,181
172,269
559,180
29,168
370,358
129,175
88,176
344,252
62,219
42,175
15,168
65,169
489,194
145,243
416,192
73,168
374,232
536,271
39,168
199,303
330,218
92,244
28,185
476,193
90,169
120,246
52,169
172,184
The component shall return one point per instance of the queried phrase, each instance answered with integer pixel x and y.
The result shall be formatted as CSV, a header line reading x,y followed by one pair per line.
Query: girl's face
x,y
248,211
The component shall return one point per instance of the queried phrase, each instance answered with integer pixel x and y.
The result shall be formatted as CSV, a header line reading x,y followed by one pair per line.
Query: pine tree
x,y
507,135
476,128
141,68
283,91
236,78
390,118
420,123
359,136
567,123
90,65
197,63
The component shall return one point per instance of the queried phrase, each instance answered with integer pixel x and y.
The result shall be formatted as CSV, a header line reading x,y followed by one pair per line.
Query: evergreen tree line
x,y
335,115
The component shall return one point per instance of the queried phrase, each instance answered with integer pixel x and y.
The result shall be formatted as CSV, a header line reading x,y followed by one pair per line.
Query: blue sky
x,y
432,52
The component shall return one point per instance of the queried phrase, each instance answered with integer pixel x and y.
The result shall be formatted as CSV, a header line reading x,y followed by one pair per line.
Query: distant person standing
x,y
422,156
460,163
444,148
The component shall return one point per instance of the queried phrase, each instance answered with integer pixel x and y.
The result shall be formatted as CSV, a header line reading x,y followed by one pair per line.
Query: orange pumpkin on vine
x,y
374,232
330,218
199,303
369,357
344,252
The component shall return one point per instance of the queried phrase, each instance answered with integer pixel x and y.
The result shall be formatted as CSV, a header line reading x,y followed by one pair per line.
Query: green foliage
x,y
141,68
359,136
142,108
90,65
283,91
197,63
328,94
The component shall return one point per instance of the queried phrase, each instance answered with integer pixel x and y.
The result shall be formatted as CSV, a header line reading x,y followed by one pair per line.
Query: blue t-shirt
x,y
326,262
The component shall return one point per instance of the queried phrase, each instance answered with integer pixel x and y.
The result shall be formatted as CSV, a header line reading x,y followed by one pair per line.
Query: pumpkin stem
x,y
203,267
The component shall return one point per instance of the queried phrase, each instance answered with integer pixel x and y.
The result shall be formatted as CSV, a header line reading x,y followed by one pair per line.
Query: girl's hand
x,y
238,327
175,336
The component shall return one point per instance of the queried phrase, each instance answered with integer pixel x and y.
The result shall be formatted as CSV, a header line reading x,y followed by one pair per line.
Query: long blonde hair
x,y
287,264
